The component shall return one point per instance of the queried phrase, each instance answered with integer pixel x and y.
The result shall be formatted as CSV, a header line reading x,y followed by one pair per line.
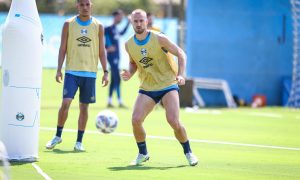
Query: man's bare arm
x,y
126,75
102,55
175,50
62,51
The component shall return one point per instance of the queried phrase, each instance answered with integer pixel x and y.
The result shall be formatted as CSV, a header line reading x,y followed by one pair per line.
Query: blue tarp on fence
x,y
248,43
52,26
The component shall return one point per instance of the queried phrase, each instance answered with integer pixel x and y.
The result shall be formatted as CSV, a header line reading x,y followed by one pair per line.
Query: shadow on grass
x,y
141,167
59,151
18,163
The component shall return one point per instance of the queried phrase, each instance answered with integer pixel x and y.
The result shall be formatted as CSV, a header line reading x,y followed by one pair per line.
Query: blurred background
x,y
162,8
248,49
248,43
53,13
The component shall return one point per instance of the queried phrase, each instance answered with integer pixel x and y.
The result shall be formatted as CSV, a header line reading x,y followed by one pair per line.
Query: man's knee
x,y
174,122
172,117
137,120
84,107
65,105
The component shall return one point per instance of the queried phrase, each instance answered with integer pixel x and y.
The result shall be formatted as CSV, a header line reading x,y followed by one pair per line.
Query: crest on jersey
x,y
144,51
83,31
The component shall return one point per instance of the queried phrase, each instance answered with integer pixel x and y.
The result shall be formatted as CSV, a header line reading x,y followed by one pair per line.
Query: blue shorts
x,y
86,85
158,95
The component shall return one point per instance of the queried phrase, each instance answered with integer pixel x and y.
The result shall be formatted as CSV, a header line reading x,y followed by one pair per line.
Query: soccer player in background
x,y
112,36
150,25
82,42
159,80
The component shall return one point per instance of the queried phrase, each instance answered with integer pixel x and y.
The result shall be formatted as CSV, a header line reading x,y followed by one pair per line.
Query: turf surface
x,y
261,136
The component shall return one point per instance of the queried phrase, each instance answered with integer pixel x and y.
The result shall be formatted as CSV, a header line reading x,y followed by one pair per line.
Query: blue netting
x,y
294,99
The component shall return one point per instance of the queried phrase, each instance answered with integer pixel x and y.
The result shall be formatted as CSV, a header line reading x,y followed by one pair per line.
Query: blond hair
x,y
139,11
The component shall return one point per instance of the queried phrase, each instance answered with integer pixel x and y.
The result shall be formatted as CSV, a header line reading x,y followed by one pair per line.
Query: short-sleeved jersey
x,y
156,67
82,45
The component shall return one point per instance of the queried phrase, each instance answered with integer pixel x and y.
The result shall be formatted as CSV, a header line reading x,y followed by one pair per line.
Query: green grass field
x,y
240,143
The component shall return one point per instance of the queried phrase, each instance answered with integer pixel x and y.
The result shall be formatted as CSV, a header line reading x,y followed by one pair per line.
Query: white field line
x,y
203,111
41,172
218,112
261,114
191,140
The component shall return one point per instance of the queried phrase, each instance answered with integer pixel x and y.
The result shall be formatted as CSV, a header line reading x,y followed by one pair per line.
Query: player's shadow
x,y
141,167
59,151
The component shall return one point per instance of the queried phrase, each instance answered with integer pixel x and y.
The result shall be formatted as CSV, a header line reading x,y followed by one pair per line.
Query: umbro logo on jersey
x,y
146,61
84,39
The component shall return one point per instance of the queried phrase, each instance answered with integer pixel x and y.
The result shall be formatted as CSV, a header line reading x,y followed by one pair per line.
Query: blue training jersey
x,y
112,36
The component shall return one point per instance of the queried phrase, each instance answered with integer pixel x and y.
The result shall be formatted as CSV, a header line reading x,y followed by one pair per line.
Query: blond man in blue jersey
x,y
149,54
82,43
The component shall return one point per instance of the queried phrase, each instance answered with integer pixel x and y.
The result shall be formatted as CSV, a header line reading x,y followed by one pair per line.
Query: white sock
x,y
120,101
109,100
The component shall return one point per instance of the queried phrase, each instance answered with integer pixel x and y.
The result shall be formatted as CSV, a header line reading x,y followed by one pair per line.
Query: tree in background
x,y
100,7
105,7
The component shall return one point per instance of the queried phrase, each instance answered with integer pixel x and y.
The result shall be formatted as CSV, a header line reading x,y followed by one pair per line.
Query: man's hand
x,y
59,77
104,79
111,49
126,75
180,80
